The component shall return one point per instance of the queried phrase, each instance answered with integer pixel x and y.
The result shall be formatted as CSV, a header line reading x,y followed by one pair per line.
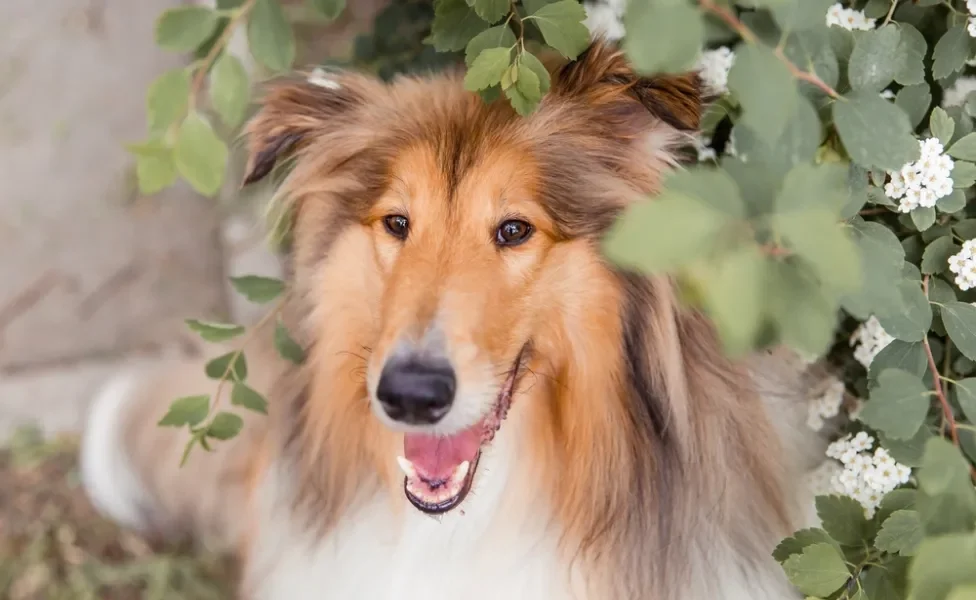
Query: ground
x,y
54,546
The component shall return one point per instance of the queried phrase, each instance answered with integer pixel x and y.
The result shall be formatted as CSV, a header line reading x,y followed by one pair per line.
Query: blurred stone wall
x,y
94,276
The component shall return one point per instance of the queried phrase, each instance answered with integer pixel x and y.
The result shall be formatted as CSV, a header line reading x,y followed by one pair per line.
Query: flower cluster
x,y
704,148
714,67
956,95
848,18
826,405
971,7
605,18
923,182
963,264
870,338
867,476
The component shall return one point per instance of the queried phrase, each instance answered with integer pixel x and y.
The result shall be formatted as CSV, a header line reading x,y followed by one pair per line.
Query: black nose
x,y
416,392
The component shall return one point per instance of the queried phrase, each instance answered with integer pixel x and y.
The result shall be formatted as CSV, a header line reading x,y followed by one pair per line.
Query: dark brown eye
x,y
397,226
513,233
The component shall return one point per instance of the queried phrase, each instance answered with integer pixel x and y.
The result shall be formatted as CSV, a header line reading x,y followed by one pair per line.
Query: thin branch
x,y
937,379
746,34
891,12
216,49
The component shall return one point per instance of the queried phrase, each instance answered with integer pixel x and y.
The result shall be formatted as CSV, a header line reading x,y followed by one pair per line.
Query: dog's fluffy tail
x,y
130,466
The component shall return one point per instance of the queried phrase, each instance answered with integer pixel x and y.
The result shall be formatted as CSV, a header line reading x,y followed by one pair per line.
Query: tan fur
x,y
606,349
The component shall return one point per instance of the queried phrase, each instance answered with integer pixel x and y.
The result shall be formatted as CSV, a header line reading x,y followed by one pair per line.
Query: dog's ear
x,y
296,111
602,78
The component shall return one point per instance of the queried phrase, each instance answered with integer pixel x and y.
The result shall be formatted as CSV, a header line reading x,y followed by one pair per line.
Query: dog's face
x,y
449,237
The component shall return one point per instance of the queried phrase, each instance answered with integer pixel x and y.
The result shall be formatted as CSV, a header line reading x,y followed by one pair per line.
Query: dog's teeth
x,y
407,467
462,471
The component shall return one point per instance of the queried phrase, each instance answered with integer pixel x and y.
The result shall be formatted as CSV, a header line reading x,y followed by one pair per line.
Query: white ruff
x,y
489,552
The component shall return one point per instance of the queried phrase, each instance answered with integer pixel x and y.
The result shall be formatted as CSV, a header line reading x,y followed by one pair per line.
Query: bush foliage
x,y
801,223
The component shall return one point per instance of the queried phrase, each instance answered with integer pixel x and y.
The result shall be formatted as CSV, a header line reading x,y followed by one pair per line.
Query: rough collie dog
x,y
488,409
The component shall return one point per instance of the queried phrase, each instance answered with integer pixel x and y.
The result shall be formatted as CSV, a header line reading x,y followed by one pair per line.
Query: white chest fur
x,y
476,552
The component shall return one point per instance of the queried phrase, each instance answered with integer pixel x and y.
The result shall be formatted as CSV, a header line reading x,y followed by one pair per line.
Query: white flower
x,y
870,338
814,421
923,182
603,19
848,18
888,95
865,477
971,6
714,67
705,152
956,95
971,27
826,405
819,480
963,264
862,441
321,78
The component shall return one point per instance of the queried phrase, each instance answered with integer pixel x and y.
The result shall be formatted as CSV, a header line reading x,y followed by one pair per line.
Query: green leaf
x,y
960,322
167,99
155,166
455,25
817,238
487,69
733,297
561,24
230,91
911,71
800,540
819,570
935,259
913,322
915,101
907,452
713,187
963,175
522,105
668,232
490,10
909,357
951,52
871,67
189,410
898,405
215,332
330,9
183,28
201,157
270,36
529,60
765,89
964,149
941,125
963,592
940,563
806,319
899,499
232,365
814,186
842,518
797,16
286,346
875,132
225,426
966,394
493,37
944,470
901,533
882,257
257,289
243,396
671,36
923,217
953,203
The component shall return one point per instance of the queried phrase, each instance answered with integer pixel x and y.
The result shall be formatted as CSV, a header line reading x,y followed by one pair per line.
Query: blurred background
x,y
95,276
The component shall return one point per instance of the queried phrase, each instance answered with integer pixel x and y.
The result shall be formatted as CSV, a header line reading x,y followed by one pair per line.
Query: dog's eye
x,y
513,233
397,226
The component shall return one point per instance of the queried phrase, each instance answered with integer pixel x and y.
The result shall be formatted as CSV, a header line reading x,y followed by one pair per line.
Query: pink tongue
x,y
436,458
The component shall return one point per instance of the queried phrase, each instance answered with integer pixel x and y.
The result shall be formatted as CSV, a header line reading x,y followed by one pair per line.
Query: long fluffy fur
x,y
653,458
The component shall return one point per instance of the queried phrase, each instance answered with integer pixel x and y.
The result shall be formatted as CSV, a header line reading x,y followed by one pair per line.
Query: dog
x,y
488,408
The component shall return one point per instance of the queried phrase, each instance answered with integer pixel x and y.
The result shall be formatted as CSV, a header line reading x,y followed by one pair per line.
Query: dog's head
x,y
448,242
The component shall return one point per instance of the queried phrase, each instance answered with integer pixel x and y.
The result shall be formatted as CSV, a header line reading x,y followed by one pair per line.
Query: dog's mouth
x,y
440,470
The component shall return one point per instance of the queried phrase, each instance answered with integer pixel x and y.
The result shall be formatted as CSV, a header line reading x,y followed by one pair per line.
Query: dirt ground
x,y
54,546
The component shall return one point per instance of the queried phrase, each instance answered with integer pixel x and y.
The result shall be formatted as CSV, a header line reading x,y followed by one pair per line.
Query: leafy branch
x,y
739,27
